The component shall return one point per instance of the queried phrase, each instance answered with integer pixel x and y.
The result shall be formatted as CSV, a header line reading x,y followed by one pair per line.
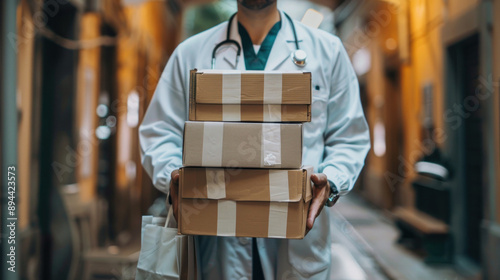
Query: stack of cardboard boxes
x,y
242,155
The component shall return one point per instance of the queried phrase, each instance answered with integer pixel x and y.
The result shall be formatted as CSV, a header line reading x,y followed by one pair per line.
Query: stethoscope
x,y
298,56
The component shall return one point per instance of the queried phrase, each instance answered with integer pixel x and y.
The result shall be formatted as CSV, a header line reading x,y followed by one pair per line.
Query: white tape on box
x,y
231,112
278,185
272,88
226,218
271,144
272,113
216,183
231,88
278,215
212,144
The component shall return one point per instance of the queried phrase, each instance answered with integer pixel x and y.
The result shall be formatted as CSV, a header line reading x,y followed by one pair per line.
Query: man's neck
x,y
258,22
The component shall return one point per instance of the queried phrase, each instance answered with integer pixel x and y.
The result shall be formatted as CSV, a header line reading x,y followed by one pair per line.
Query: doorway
x,y
466,123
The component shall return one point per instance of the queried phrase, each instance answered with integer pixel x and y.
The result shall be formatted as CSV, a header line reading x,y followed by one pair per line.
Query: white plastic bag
x,y
165,254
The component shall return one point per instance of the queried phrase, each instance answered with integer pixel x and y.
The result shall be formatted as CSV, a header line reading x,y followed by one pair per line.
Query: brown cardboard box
x,y
260,96
244,202
250,113
250,145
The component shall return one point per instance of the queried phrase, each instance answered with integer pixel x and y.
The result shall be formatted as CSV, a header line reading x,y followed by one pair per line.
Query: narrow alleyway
x,y
78,77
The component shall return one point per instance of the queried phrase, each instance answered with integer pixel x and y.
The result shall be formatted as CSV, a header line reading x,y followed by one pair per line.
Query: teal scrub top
x,y
257,61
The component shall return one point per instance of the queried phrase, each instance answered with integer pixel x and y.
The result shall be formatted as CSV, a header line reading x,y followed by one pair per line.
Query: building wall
x,y
375,187
457,8
492,232
140,61
372,28
432,27
491,227
496,102
25,107
88,88
428,32
425,68
154,32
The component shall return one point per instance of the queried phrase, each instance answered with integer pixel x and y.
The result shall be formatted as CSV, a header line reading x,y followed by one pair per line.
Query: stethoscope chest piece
x,y
299,57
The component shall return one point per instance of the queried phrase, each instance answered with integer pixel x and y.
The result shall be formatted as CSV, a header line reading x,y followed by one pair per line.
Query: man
x,y
336,140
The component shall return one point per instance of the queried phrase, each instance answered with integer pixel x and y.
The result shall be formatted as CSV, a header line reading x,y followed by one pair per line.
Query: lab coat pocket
x,y
311,255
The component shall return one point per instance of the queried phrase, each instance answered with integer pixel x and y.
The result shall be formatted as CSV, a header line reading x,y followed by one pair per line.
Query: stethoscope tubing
x,y
238,46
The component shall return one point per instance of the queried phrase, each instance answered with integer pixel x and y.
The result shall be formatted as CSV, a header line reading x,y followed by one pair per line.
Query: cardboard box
x,y
244,202
259,96
250,113
250,145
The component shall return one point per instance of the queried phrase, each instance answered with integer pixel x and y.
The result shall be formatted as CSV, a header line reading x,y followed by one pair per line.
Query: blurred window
x,y
199,18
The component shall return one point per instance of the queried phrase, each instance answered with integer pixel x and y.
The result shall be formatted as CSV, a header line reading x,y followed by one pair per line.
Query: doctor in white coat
x,y
336,140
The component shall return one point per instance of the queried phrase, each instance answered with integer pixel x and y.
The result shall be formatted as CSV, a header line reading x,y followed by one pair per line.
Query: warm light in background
x,y
379,139
420,9
361,61
102,110
103,132
133,109
391,44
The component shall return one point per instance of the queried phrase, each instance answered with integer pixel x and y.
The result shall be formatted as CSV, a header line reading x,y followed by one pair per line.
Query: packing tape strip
x,y
226,218
231,112
216,183
231,88
278,185
271,144
272,113
272,88
212,144
278,216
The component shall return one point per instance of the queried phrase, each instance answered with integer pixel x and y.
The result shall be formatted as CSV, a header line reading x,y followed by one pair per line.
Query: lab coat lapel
x,y
283,45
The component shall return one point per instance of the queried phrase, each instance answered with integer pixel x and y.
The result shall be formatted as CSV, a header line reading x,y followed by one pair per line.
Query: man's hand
x,y
321,191
174,187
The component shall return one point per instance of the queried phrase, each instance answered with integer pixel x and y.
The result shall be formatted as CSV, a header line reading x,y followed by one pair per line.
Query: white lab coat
x,y
336,142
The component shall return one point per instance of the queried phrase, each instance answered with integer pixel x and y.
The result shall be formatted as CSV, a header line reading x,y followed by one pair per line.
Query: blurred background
x,y
77,76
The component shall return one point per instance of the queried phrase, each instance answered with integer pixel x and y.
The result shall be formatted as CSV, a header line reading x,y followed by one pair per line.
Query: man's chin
x,y
256,4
